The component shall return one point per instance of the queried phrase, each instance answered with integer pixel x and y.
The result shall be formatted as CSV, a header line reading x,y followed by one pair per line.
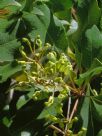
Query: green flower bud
x,y
51,71
80,133
28,43
46,89
21,62
69,133
94,92
58,79
71,54
63,57
61,96
21,48
84,129
54,53
37,55
62,68
61,61
39,43
51,56
34,73
66,71
23,54
47,45
50,64
36,95
50,67
36,67
60,110
75,119
58,65
52,118
38,36
25,40
50,101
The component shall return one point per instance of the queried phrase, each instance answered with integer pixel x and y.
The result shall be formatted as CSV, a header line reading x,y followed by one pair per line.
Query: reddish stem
x,y
74,109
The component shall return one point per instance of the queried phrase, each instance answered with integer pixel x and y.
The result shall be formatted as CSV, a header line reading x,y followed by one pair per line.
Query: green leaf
x,y
99,133
62,41
8,50
94,18
37,11
59,5
25,119
25,133
38,24
3,24
66,4
57,34
85,77
84,112
8,70
64,15
42,0
90,6
93,48
86,18
28,5
54,109
97,107
7,122
4,3
24,99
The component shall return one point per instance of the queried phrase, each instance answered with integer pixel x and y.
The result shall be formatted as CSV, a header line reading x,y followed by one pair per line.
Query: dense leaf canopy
x,y
50,68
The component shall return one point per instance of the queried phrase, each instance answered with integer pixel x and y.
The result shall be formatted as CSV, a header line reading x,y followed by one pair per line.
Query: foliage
x,y
50,68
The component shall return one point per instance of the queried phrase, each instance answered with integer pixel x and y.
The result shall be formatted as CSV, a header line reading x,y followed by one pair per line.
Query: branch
x,y
57,129
68,112
74,109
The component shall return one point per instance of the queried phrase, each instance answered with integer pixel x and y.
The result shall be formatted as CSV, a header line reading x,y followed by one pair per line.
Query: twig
x,y
74,109
69,105
72,82
68,112
73,89
73,11
57,129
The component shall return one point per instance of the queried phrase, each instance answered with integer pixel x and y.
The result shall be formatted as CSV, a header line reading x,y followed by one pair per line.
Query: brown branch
x,y
57,129
74,109
73,11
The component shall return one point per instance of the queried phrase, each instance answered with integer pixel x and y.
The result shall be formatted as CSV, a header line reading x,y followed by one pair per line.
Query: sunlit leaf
x,y
94,46
24,99
55,109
